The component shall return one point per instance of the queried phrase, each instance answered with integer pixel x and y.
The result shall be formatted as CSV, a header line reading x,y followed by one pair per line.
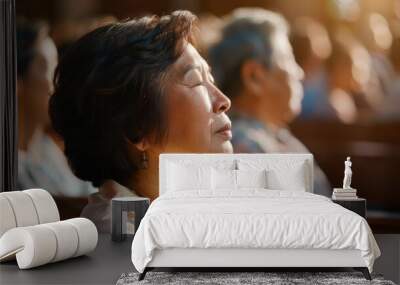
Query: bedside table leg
x,y
143,274
364,271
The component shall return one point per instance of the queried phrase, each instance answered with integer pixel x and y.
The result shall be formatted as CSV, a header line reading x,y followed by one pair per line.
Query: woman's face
x,y
38,83
196,108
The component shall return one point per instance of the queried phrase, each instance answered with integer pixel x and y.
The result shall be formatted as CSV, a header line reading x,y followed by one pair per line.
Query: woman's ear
x,y
143,145
252,74
138,152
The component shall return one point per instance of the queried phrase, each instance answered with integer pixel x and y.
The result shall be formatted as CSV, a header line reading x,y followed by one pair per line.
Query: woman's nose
x,y
221,103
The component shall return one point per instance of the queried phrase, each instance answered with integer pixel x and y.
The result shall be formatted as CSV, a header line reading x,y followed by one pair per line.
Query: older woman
x,y
127,92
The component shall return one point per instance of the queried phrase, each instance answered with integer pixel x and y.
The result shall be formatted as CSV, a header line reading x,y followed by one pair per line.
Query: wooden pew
x,y
375,152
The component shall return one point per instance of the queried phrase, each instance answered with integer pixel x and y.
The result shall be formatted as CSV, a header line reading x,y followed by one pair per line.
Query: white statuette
x,y
347,174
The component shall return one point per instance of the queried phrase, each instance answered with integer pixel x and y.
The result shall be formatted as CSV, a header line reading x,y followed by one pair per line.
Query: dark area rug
x,y
229,278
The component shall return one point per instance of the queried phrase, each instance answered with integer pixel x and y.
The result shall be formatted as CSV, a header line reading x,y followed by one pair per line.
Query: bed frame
x,y
251,258
247,259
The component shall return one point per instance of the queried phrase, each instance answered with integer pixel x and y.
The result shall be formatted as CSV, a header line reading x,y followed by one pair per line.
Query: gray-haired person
x,y
254,65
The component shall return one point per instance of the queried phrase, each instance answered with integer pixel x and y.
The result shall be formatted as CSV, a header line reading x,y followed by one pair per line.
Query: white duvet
x,y
250,219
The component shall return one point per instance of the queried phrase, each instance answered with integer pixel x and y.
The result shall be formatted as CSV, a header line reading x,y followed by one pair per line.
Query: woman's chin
x,y
222,147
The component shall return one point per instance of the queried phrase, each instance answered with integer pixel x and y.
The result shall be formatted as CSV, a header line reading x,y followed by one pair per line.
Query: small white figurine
x,y
347,174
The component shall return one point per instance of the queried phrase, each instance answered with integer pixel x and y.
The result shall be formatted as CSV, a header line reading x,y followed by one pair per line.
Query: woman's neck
x,y
145,181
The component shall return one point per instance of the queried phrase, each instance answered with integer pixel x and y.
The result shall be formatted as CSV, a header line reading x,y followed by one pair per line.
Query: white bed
x,y
280,225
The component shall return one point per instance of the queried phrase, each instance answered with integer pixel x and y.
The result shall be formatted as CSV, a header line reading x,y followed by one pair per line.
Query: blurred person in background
x,y
254,65
41,163
208,33
351,79
377,37
129,91
311,47
390,109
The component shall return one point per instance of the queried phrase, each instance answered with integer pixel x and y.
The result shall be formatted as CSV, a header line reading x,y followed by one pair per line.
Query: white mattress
x,y
250,218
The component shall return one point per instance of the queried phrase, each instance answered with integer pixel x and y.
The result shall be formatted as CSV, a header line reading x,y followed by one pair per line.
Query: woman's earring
x,y
145,160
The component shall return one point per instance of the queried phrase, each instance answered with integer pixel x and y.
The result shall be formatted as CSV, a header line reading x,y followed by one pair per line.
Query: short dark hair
x,y
28,34
108,90
247,34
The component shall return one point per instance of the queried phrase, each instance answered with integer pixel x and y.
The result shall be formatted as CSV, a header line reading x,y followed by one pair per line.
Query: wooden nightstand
x,y
357,205
126,215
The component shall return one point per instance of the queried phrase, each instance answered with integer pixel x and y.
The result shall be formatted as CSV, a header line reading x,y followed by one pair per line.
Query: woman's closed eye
x,y
198,77
194,78
210,79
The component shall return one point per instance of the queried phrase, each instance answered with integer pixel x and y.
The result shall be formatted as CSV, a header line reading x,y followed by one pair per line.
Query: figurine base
x,y
344,194
344,190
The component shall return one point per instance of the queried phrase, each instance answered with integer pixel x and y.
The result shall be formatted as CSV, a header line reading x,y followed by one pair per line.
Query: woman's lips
x,y
227,135
225,132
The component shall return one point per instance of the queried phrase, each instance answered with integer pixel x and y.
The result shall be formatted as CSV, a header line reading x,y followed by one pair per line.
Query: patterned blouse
x,y
253,136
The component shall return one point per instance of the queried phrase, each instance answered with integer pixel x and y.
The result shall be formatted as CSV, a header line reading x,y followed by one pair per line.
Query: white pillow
x,y
251,178
282,174
227,179
292,179
188,177
223,179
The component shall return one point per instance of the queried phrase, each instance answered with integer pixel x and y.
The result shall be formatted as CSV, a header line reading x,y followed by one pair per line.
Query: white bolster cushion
x,y
23,208
45,205
87,235
26,208
66,239
7,219
40,244
33,246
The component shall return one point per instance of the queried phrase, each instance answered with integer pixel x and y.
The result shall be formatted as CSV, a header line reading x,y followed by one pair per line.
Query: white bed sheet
x,y
252,218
